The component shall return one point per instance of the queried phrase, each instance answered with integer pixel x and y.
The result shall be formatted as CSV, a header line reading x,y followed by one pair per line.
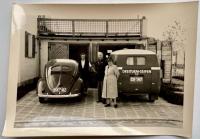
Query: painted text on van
x,y
137,71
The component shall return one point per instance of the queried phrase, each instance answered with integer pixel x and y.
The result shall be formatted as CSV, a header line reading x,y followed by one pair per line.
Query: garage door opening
x,y
76,49
74,53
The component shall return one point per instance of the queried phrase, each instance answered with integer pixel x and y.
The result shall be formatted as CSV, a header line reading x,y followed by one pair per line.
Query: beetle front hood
x,y
60,76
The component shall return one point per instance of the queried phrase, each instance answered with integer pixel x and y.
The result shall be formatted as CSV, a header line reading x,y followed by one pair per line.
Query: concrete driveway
x,y
136,111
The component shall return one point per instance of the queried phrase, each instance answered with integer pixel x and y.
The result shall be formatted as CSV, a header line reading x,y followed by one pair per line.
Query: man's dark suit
x,y
84,73
100,69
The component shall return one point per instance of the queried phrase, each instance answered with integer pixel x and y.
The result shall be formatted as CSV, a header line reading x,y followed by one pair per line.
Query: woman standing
x,y
110,92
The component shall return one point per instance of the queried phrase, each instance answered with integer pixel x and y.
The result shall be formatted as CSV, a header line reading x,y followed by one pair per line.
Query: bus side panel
x,y
155,75
156,82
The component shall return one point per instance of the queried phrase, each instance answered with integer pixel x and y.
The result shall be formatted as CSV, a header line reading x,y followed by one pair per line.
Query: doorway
x,y
76,49
74,53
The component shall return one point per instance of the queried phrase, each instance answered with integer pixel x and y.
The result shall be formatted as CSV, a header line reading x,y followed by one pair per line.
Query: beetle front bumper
x,y
59,96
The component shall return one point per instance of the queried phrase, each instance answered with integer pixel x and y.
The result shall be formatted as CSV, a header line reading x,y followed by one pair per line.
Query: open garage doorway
x,y
76,49
106,49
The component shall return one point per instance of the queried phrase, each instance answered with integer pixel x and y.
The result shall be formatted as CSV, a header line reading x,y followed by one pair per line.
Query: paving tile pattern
x,y
72,113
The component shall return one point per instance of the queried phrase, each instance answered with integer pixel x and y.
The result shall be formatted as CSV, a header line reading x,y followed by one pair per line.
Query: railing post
x,y
73,28
106,28
156,47
141,25
38,24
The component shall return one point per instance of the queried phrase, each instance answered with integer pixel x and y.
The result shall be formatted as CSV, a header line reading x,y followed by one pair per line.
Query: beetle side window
x,y
130,61
140,60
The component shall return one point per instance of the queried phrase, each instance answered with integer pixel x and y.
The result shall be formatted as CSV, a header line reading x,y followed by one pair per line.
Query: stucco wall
x,y
28,67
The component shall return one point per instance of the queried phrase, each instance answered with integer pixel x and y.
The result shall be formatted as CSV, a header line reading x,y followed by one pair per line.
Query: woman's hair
x,y
82,54
110,59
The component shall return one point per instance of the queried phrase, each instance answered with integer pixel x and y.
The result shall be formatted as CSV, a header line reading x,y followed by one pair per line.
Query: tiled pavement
x,y
72,113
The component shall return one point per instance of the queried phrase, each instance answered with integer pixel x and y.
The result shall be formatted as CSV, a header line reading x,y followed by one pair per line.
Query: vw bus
x,y
61,80
139,72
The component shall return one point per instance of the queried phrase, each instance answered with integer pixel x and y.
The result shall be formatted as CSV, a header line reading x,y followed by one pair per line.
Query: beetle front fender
x,y
77,87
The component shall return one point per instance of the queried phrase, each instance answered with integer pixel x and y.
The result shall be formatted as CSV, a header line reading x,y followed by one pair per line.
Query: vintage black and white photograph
x,y
102,65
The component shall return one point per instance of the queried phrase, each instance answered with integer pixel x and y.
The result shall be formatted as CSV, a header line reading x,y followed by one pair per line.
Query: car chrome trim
x,y
58,96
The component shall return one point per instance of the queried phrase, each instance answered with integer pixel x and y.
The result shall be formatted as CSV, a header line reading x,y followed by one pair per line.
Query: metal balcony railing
x,y
90,27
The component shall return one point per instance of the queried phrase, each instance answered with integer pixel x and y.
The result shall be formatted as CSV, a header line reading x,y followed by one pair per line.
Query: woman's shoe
x,y
107,105
115,105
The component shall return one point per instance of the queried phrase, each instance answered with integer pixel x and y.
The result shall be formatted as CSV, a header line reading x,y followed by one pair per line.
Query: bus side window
x,y
141,61
130,61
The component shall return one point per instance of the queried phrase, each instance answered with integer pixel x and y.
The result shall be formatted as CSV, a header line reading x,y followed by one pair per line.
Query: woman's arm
x,y
116,71
106,70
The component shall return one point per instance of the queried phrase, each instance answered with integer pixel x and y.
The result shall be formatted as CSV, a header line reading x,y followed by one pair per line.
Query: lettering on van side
x,y
136,71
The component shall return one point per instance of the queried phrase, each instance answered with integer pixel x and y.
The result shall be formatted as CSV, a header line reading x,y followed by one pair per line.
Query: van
x,y
139,72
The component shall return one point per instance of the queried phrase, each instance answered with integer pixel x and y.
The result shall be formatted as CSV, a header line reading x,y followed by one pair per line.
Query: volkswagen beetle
x,y
61,80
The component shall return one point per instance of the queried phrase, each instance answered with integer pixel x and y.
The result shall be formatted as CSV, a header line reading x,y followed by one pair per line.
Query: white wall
x,y
28,67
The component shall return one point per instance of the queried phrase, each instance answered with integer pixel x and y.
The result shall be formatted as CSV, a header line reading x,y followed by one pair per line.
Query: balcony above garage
x,y
89,29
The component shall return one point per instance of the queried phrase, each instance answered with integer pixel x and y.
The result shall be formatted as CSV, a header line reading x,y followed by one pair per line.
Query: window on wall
x,y
29,45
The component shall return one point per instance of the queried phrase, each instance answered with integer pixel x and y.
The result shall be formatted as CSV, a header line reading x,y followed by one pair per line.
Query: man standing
x,y
100,69
84,66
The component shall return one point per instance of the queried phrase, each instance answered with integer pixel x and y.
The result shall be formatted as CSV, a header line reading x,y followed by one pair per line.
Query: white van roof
x,y
133,51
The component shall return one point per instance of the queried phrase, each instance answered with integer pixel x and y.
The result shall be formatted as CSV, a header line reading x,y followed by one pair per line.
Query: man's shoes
x,y
115,106
107,105
98,101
